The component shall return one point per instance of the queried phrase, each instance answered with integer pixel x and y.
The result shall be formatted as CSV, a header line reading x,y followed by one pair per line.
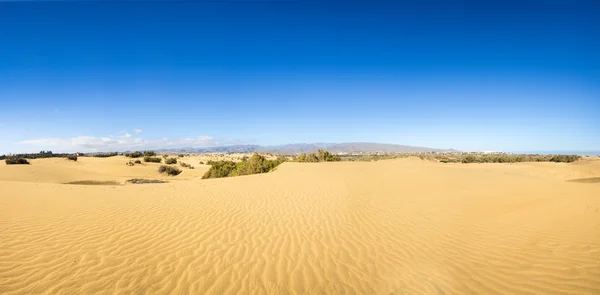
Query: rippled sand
x,y
390,227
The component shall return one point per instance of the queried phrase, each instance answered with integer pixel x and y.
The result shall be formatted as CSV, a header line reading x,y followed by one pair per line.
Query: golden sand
x,y
402,226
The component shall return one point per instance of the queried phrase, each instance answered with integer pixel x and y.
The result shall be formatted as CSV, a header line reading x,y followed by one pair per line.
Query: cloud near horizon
x,y
123,142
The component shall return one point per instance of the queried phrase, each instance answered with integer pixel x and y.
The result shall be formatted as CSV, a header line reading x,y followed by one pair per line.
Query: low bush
x,y
169,170
201,163
137,162
186,165
152,159
16,161
72,157
170,161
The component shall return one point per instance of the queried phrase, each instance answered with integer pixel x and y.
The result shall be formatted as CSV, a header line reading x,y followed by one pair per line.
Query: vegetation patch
x,y
186,165
93,182
139,154
468,158
40,155
105,155
169,170
16,161
253,165
170,161
320,156
142,181
152,159
72,157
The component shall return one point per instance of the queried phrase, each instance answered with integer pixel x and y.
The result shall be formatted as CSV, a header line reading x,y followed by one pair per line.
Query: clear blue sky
x,y
513,76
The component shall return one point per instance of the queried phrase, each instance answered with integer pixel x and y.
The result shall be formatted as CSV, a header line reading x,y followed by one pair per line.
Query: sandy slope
x,y
391,227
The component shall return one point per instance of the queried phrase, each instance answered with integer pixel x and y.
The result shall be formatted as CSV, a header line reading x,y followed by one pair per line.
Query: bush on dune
x,y
320,156
169,170
16,161
72,157
170,161
186,165
152,159
253,165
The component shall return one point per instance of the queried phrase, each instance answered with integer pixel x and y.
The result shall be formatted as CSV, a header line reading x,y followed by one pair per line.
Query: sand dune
x,y
402,226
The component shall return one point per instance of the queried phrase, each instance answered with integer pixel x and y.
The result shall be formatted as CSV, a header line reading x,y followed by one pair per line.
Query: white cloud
x,y
122,142
138,131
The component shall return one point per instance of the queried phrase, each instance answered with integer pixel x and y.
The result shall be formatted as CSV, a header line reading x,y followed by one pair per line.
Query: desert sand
x,y
403,226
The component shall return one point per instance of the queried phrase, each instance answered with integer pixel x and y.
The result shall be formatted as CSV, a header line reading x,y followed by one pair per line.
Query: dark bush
x,y
170,161
72,157
201,163
149,154
186,165
169,170
137,162
152,159
135,155
16,161
105,155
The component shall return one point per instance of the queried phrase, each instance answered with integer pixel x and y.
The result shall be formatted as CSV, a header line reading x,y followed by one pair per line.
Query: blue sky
x,y
99,76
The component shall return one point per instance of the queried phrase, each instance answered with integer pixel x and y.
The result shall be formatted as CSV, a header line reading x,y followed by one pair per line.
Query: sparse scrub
x,y
186,165
16,161
152,159
201,163
170,161
137,162
72,157
169,170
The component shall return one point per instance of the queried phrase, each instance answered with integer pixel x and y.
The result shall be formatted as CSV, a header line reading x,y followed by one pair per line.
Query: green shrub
x,y
170,161
16,161
72,157
320,156
137,162
152,159
169,170
253,165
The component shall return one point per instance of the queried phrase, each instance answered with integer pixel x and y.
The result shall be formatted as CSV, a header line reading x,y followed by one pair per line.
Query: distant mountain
x,y
291,149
